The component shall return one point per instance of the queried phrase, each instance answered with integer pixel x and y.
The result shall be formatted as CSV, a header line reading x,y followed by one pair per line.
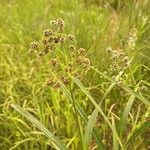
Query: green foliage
x,y
99,97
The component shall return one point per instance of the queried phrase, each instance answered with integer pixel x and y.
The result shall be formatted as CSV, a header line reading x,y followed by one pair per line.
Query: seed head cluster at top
x,y
58,46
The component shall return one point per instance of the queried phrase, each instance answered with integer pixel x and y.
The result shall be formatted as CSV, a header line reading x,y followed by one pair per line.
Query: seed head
x,y
33,45
47,32
70,65
86,61
47,49
114,67
77,75
86,64
72,47
121,54
80,60
62,40
60,22
53,22
108,50
115,54
40,54
45,41
50,39
125,66
54,62
65,80
68,69
71,37
50,82
73,54
82,51
56,85
30,51
56,39
126,59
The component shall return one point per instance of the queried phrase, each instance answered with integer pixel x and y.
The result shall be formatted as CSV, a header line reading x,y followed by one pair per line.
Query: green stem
x,y
77,118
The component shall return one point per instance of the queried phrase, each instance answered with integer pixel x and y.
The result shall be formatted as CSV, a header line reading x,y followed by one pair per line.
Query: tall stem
x,y
77,117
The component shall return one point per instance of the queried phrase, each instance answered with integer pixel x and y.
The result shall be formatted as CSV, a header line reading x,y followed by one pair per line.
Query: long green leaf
x,y
115,142
77,81
89,129
92,119
138,132
144,100
124,115
56,142
83,116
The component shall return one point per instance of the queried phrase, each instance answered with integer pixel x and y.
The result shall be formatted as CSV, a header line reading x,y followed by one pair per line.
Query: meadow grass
x,y
108,109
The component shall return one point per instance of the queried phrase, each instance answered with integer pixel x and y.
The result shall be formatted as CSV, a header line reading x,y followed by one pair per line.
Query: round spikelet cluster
x,y
65,58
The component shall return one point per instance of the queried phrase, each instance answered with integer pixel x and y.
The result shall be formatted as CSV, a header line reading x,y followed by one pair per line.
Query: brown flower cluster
x,y
65,58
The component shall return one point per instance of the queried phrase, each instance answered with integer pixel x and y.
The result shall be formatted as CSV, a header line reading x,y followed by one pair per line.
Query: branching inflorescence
x,y
120,61
65,58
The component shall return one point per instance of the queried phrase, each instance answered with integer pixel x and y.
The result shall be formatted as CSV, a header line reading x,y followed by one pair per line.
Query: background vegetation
x,y
122,119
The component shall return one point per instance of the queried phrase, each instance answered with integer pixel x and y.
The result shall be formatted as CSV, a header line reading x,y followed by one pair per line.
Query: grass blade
x,y
138,132
84,117
89,129
21,142
77,81
58,144
115,141
124,116
92,119
144,100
